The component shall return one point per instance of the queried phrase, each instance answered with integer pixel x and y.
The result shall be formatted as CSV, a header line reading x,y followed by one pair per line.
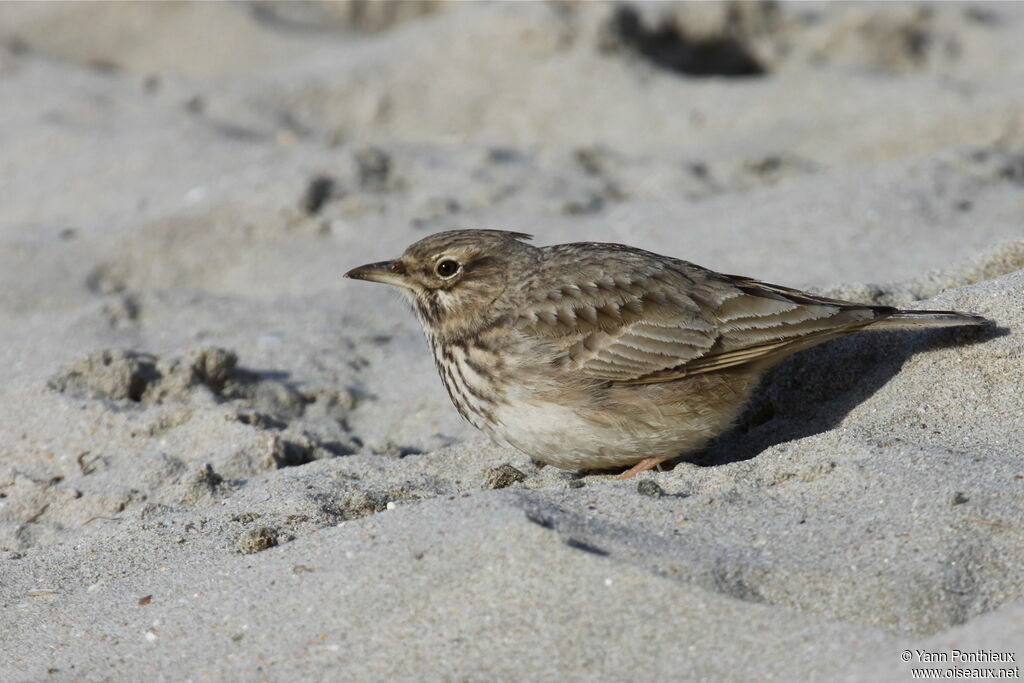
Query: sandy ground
x,y
221,461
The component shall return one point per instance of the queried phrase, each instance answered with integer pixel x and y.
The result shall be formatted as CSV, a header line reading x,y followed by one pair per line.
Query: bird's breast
x,y
473,372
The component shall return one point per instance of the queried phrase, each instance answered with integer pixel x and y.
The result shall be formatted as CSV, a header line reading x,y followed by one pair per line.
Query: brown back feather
x,y
627,316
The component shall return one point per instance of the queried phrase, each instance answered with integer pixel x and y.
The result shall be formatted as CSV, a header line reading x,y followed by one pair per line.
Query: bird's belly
x,y
568,437
579,424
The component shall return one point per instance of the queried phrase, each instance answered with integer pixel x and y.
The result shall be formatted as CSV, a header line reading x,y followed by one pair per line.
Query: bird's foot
x,y
642,466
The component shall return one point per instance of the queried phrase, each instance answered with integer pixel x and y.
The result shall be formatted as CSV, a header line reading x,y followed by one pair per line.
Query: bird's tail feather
x,y
905,320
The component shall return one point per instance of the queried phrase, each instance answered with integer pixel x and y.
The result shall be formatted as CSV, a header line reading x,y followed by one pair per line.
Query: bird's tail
x,y
907,320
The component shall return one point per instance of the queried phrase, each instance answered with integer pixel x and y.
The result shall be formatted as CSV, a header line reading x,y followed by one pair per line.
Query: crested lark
x,y
593,356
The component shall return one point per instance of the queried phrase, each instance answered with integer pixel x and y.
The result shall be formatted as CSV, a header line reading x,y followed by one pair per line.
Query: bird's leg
x,y
642,466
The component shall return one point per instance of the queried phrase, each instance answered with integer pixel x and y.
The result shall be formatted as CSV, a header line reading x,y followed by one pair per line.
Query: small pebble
x,y
256,540
318,192
649,488
502,477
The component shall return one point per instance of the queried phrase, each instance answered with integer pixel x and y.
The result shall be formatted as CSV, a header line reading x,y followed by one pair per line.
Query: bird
x,y
598,356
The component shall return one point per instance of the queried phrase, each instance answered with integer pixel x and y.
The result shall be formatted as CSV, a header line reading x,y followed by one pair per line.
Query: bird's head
x,y
455,279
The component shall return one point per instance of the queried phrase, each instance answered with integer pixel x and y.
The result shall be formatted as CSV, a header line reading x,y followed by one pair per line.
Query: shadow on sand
x,y
813,391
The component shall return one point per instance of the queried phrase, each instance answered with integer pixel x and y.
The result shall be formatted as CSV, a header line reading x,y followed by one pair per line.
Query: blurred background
x,y
185,173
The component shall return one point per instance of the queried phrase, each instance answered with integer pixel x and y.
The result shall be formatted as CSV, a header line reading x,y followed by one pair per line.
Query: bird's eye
x,y
447,268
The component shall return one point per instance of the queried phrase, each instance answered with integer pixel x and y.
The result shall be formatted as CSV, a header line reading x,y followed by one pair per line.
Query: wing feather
x,y
661,319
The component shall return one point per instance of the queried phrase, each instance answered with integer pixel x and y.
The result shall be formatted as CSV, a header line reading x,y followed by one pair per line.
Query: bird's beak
x,y
388,272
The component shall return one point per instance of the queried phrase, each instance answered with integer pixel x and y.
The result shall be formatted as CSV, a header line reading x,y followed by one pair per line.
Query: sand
x,y
220,460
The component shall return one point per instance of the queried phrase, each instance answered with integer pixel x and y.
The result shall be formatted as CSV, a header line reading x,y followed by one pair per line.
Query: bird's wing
x,y
629,317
